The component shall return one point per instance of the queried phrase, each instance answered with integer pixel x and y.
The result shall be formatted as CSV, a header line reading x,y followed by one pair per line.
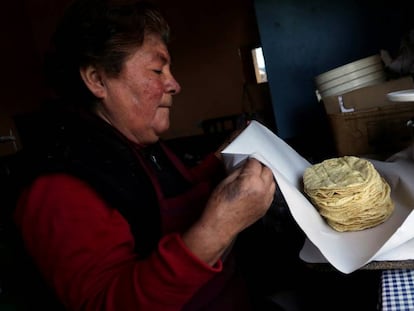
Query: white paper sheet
x,y
346,251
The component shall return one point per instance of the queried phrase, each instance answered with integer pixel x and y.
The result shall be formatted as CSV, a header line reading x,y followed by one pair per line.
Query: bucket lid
x,y
370,79
374,69
348,68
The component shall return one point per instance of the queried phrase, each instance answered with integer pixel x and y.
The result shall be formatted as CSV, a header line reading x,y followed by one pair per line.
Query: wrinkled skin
x,y
237,202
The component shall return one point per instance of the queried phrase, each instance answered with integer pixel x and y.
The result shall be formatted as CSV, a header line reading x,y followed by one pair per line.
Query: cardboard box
x,y
373,125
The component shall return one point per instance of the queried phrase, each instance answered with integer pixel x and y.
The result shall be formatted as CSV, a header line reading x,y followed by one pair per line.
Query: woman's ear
x,y
93,80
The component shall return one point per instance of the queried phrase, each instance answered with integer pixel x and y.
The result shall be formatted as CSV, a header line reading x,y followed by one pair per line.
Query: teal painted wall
x,y
303,38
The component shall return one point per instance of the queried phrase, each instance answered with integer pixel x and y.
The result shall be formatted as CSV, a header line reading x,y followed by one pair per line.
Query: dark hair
x,y
101,33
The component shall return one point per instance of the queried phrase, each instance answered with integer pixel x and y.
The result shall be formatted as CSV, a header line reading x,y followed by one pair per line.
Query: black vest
x,y
89,148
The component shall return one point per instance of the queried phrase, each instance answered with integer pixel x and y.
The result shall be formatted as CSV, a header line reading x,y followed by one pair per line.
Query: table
x,y
397,290
396,284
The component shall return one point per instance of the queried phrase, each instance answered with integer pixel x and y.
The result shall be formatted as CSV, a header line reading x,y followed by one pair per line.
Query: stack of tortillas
x,y
349,193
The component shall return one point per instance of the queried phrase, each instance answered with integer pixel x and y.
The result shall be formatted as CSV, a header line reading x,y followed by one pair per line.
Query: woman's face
x,y
138,101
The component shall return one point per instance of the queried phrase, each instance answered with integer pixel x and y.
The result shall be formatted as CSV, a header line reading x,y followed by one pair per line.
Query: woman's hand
x,y
237,202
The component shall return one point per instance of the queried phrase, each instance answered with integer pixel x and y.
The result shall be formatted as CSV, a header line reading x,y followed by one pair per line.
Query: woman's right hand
x,y
236,203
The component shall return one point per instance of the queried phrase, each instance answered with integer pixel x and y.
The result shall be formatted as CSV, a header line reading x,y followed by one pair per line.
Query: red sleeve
x,y
209,168
84,249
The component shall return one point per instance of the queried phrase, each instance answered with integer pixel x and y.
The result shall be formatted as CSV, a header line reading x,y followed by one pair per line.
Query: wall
x,y
206,38
25,28
303,38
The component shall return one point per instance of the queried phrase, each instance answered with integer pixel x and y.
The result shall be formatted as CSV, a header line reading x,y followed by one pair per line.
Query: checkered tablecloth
x,y
397,290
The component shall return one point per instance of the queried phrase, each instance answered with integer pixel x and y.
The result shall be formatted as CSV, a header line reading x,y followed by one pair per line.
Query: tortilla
x,y
349,193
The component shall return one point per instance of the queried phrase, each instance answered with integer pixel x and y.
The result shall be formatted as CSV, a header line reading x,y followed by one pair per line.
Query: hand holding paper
x,y
346,251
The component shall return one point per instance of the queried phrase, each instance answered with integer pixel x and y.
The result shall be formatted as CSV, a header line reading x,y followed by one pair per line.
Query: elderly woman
x,y
109,216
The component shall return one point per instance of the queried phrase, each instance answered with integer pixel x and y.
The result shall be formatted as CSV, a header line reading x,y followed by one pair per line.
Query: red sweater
x,y
85,251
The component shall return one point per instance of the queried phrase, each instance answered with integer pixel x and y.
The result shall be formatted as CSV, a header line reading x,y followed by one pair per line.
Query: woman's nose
x,y
173,86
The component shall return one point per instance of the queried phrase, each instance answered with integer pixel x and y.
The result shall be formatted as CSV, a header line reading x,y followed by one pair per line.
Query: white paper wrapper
x,y
346,251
